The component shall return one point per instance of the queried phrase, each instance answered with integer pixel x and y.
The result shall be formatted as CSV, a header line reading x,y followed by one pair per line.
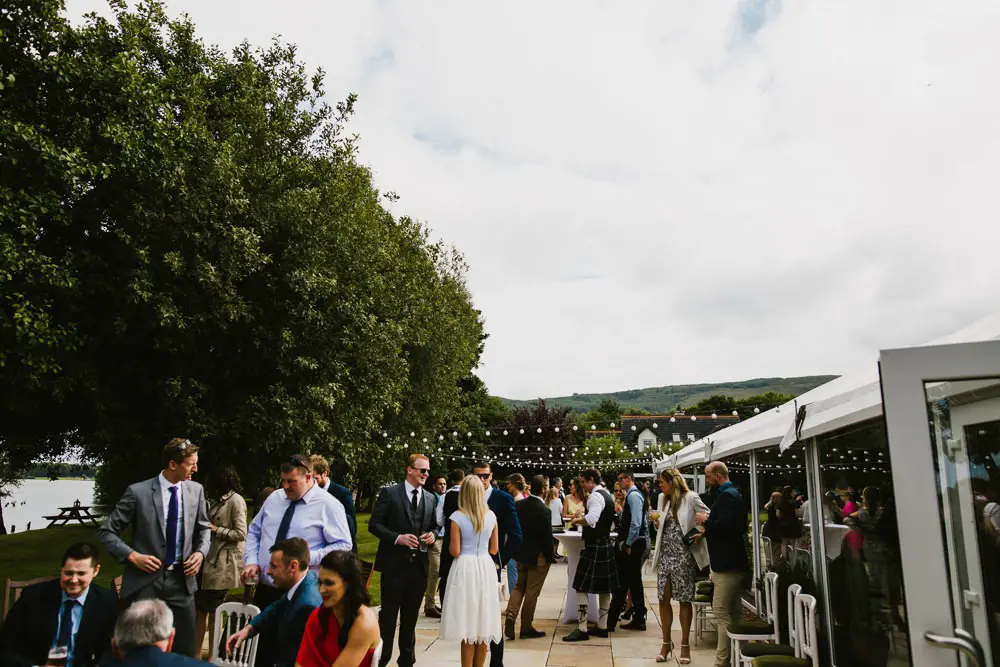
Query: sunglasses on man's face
x,y
484,475
423,471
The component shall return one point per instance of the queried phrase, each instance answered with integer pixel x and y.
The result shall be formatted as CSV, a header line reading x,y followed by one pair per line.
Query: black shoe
x,y
577,636
508,628
531,633
432,612
601,633
627,614
635,624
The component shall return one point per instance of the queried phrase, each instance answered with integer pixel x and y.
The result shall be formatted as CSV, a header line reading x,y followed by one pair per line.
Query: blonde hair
x,y
320,464
678,488
472,501
551,494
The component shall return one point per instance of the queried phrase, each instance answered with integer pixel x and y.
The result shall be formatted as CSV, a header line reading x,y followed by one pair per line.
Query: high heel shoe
x,y
664,654
685,661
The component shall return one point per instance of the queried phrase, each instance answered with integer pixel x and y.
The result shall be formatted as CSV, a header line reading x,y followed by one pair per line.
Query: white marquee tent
x,y
849,399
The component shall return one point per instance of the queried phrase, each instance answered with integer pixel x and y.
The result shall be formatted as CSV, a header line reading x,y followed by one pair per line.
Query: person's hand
x,y
193,563
428,538
627,550
251,572
237,638
654,516
408,540
213,527
697,536
144,562
700,518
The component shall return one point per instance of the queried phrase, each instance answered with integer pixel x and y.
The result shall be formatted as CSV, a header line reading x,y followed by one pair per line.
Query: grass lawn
x,y
36,553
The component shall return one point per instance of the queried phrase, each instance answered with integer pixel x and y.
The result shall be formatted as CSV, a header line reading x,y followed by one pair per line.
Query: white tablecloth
x,y
573,545
833,535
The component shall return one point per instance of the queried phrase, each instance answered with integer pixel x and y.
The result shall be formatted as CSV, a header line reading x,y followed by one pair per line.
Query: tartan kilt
x,y
597,571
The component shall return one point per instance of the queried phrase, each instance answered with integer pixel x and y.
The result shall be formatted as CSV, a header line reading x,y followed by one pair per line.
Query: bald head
x,y
716,473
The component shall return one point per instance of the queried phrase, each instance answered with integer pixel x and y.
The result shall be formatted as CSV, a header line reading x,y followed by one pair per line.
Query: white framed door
x,y
942,412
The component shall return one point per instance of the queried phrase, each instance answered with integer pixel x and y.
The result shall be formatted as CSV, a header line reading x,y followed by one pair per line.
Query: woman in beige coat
x,y
227,511
677,562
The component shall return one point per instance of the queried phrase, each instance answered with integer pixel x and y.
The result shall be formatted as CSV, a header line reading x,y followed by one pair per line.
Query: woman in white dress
x,y
471,611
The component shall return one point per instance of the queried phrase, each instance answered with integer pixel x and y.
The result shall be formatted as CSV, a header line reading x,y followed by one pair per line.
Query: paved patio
x,y
623,649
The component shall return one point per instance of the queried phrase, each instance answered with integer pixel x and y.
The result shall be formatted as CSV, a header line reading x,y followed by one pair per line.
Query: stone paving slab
x,y
624,648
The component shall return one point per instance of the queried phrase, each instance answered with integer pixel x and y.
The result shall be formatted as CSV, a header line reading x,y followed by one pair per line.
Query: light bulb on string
x,y
521,431
756,411
539,430
557,429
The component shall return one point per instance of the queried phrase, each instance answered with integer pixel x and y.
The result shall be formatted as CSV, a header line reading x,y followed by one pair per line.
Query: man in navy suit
x,y
285,619
70,611
144,636
508,531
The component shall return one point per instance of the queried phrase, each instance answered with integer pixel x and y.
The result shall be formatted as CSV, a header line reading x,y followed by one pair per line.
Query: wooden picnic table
x,y
79,513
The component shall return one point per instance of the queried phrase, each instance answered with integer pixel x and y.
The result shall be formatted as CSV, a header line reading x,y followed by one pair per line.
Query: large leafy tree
x,y
189,245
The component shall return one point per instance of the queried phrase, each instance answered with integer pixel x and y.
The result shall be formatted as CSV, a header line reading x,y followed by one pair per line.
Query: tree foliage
x,y
189,245
744,406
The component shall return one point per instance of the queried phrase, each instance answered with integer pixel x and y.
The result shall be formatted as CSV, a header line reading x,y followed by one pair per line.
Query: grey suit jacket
x,y
142,507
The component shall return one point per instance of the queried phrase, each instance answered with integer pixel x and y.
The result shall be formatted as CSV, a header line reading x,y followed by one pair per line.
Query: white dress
x,y
471,608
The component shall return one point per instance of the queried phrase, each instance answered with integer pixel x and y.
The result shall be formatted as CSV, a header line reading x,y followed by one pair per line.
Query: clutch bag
x,y
690,536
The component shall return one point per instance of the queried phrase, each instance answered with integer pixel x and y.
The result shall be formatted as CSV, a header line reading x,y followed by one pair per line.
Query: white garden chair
x,y
757,631
750,651
230,617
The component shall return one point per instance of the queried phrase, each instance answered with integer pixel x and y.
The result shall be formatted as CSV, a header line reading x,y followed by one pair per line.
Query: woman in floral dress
x,y
677,563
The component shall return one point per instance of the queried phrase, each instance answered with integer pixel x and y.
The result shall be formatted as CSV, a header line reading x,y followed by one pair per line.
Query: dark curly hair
x,y
224,479
347,565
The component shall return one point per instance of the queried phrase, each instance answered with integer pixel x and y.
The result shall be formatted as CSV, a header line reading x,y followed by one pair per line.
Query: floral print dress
x,y
675,562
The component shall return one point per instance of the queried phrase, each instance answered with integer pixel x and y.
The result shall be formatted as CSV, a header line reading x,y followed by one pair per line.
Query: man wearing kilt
x,y
597,572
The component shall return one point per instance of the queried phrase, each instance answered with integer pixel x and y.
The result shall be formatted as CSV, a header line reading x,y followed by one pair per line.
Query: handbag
x,y
689,537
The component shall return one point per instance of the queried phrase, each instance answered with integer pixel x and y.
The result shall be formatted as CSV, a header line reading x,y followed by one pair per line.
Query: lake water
x,y
41,498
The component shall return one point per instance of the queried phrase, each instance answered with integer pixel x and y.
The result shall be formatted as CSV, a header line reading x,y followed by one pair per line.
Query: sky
x,y
675,192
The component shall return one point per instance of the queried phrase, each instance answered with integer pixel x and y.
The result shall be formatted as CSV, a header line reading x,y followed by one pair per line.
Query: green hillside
x,y
659,400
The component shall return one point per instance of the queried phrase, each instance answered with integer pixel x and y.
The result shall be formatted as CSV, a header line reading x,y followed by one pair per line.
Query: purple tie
x,y
172,512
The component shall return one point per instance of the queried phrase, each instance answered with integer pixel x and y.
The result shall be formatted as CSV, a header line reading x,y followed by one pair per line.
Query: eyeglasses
x,y
423,471
484,475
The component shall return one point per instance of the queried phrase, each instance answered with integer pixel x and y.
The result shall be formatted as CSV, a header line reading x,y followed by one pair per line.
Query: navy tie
x,y
286,521
66,624
172,512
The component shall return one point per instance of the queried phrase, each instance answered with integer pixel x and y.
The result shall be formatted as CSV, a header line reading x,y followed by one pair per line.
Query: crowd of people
x,y
454,539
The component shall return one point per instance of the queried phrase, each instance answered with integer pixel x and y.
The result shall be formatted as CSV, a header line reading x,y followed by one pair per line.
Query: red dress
x,y
320,649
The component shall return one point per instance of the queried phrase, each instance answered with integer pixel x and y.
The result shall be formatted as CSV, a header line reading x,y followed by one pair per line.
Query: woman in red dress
x,y
343,631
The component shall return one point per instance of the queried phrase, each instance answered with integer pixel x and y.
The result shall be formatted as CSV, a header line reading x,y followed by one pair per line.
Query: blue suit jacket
x,y
151,656
508,527
287,619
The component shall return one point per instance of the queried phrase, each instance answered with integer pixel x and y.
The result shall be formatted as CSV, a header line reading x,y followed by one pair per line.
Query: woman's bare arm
x,y
363,637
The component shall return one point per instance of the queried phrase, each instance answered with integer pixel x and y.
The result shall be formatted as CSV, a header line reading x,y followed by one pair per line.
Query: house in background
x,y
640,433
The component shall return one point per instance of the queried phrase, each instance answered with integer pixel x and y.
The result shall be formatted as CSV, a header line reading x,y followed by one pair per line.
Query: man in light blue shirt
x,y
632,540
301,508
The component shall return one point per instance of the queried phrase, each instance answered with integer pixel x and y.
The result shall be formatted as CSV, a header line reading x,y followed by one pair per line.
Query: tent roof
x,y
849,399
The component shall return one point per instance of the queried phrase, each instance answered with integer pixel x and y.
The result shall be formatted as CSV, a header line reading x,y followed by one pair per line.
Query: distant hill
x,y
660,400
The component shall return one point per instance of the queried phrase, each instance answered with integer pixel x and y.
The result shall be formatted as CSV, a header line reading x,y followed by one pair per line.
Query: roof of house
x,y
664,428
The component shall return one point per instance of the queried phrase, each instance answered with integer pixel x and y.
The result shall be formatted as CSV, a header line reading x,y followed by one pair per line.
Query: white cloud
x,y
683,192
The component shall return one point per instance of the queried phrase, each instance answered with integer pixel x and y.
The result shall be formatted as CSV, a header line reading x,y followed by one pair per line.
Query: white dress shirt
x,y
595,505
295,587
409,494
165,493
321,521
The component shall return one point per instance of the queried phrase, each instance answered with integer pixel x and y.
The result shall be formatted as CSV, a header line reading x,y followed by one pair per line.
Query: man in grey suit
x,y
170,537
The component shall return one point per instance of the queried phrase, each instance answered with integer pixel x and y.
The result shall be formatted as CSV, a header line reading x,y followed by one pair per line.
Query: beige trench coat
x,y
224,562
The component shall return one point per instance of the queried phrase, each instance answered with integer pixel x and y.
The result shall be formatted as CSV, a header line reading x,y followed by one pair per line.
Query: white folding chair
x,y
758,631
750,651
231,617
805,611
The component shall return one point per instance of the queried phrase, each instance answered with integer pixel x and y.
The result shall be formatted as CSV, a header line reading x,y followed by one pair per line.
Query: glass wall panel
x,y
739,475
866,603
785,546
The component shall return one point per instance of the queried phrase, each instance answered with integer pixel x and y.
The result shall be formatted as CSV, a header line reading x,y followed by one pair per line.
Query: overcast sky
x,y
676,192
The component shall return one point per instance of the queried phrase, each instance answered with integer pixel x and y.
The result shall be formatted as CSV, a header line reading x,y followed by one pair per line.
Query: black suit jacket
x,y
450,501
30,628
391,518
346,498
536,529
151,656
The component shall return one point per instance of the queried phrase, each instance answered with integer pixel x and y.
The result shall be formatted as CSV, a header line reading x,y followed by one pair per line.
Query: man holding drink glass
x,y
404,519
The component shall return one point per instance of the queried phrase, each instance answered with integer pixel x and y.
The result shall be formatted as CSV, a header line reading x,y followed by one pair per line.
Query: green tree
x,y
610,456
189,245
607,411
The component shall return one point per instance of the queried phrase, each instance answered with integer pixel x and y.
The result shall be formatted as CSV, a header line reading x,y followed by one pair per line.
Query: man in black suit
x,y
403,519
70,612
446,507
533,558
323,474
508,531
